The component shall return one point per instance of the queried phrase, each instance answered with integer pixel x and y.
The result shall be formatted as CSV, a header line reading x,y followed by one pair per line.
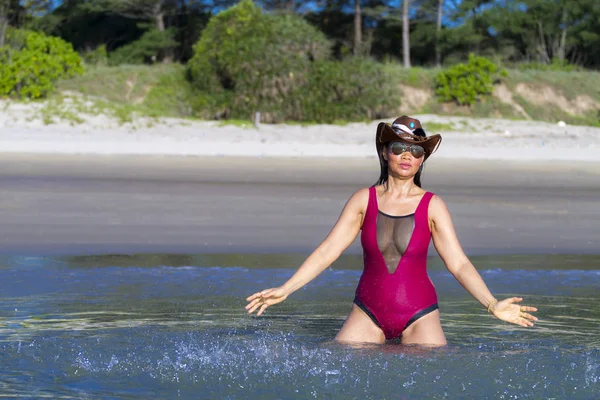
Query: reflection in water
x,y
166,326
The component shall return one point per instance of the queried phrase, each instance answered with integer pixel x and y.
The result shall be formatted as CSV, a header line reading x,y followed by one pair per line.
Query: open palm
x,y
263,299
508,310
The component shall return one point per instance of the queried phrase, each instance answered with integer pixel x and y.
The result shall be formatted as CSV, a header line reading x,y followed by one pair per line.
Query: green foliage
x,y
32,62
466,83
348,90
439,126
555,65
248,61
148,90
146,49
97,56
170,95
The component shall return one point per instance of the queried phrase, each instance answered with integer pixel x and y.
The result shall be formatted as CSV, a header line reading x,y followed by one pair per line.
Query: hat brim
x,y
386,134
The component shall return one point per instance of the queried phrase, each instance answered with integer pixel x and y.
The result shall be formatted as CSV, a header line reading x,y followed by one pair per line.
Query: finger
x,y
528,308
254,296
262,309
255,301
515,299
528,316
262,293
254,307
525,323
255,304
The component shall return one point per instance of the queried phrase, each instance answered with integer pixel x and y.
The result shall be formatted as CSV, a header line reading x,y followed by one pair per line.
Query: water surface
x,y
174,326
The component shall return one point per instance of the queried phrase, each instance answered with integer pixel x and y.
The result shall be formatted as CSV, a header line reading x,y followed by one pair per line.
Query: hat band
x,y
403,128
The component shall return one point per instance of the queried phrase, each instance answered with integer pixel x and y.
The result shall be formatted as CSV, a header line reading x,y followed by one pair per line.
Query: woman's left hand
x,y
508,310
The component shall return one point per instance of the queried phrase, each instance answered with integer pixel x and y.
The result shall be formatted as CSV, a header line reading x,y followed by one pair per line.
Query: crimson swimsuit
x,y
395,295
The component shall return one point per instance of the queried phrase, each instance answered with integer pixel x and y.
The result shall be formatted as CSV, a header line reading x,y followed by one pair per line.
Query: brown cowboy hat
x,y
406,129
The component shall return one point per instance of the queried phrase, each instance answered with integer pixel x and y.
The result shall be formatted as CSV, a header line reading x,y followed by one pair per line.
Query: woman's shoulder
x,y
361,194
437,204
360,198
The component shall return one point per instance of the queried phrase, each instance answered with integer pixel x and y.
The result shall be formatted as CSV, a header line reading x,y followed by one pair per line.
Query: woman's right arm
x,y
339,239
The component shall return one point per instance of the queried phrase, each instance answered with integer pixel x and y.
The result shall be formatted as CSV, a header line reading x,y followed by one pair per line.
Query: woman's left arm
x,y
448,247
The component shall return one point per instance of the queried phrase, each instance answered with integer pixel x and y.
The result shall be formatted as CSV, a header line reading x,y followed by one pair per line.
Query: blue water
x,y
165,326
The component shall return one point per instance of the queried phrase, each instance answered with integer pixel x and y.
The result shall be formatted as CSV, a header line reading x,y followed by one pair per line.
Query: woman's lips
x,y
405,165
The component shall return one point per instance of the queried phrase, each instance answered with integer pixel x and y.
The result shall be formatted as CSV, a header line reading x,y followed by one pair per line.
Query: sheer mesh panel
x,y
393,237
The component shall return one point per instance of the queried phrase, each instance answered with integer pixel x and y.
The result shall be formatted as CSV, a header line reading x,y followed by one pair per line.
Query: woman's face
x,y
404,159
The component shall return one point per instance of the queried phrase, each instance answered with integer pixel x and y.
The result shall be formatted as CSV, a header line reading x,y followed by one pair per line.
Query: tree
x,y
153,11
283,6
405,34
357,28
3,19
438,32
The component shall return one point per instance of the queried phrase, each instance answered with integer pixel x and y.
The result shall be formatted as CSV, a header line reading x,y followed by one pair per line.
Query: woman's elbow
x,y
456,266
328,252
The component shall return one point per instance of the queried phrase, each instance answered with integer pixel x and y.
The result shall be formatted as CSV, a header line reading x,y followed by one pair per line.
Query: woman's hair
x,y
383,175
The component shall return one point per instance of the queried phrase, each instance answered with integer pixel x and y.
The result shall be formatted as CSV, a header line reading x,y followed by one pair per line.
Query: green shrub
x,y
247,61
32,62
146,50
98,56
352,89
556,65
466,83
171,95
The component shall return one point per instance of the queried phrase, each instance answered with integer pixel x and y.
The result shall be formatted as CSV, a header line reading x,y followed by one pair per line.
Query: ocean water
x,y
174,326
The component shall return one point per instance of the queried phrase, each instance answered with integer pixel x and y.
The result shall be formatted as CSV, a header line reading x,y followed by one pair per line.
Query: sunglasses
x,y
399,147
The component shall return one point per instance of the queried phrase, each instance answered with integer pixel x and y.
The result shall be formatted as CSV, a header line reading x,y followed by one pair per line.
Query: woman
x,y
395,297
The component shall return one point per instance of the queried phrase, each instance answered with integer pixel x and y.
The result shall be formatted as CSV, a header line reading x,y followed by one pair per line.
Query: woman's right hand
x,y
263,299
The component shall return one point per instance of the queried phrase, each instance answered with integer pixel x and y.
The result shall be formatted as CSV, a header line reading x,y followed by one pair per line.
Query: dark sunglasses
x,y
399,147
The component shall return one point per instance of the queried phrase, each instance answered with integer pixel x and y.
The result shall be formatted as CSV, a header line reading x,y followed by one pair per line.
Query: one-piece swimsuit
x,y
394,289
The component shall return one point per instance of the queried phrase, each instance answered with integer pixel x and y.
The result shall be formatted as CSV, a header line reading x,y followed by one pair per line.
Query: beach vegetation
x,y
32,62
556,64
96,57
433,127
468,82
352,89
240,123
333,62
145,50
247,61
162,90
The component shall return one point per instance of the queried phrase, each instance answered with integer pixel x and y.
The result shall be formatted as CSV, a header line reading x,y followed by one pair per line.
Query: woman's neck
x,y
400,187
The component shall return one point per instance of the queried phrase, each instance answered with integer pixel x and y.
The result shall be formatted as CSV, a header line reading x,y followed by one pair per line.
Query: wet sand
x,y
150,204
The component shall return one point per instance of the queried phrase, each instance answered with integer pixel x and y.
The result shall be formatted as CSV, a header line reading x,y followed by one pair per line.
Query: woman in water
x,y
395,297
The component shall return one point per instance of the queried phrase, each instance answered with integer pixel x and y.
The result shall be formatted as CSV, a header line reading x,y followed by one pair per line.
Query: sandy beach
x,y
24,130
513,187
69,204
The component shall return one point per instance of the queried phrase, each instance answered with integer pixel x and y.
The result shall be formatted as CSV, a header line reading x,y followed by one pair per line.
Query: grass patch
x,y
569,84
121,84
162,90
56,110
439,126
422,78
240,123
74,108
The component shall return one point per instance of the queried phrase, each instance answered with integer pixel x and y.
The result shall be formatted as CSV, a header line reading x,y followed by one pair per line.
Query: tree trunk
x,y
3,25
3,20
438,31
542,48
357,28
405,34
562,51
159,17
367,43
